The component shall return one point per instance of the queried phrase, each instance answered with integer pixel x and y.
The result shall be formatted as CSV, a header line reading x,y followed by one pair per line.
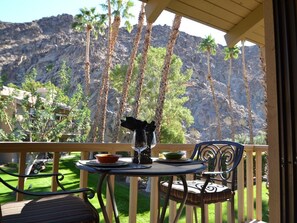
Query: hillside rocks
x,y
46,43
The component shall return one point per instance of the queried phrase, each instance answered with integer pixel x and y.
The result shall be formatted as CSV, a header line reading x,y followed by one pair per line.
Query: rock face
x,y
46,43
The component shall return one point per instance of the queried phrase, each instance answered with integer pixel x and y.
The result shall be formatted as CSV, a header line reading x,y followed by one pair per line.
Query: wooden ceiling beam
x,y
154,8
239,31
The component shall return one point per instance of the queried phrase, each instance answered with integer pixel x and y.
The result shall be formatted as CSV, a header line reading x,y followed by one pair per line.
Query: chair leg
x,y
195,214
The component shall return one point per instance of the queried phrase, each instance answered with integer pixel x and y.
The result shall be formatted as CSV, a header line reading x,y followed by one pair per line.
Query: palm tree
x,y
121,9
129,74
208,45
247,91
263,66
140,78
230,54
165,70
94,126
89,20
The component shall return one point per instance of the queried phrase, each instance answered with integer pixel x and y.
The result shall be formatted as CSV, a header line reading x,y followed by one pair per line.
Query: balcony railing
x,y
253,156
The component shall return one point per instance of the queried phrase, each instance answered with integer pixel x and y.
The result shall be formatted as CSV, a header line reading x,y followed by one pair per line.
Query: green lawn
x,y
71,181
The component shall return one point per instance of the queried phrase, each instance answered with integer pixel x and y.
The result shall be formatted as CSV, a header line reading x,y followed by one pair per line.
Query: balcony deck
x,y
245,194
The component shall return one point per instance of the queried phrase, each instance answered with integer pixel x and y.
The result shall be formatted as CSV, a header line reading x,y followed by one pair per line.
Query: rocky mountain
x,y
44,44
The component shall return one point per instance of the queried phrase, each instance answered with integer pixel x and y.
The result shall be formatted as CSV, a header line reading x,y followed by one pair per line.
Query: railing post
x,y
189,209
21,181
240,190
133,199
250,184
83,174
218,207
55,170
154,200
172,207
259,185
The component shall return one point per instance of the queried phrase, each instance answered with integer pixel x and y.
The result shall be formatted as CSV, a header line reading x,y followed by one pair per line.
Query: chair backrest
x,y
220,156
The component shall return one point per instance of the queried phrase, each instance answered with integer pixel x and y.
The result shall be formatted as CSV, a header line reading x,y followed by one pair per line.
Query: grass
x,y
71,181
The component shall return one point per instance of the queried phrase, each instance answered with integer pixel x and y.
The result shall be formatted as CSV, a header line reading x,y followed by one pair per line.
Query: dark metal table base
x,y
113,202
166,201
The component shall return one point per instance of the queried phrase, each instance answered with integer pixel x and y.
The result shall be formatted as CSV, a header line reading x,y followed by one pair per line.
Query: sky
x,y
20,11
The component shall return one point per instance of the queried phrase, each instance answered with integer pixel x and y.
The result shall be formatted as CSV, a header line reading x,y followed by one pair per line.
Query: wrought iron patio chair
x,y
50,207
217,183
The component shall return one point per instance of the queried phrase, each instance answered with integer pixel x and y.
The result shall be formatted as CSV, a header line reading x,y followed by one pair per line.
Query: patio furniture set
x,y
213,164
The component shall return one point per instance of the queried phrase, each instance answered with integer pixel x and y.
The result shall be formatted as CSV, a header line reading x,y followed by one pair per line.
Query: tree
x,y
230,54
94,126
48,113
247,93
208,45
263,66
89,20
165,71
139,83
175,116
65,77
44,113
120,10
9,130
126,84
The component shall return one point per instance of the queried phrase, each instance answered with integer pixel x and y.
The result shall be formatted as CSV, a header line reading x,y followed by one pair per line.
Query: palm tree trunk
x,y
87,63
209,77
263,66
139,84
248,98
102,120
95,125
92,134
129,74
165,70
230,101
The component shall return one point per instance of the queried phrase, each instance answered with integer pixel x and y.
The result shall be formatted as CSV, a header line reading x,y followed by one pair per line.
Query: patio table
x,y
156,169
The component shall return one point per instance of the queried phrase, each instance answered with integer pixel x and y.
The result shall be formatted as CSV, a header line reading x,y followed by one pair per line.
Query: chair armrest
x,y
209,175
88,193
58,176
32,175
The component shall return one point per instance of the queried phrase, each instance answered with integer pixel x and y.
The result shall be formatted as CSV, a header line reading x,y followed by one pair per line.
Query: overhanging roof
x,y
239,19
